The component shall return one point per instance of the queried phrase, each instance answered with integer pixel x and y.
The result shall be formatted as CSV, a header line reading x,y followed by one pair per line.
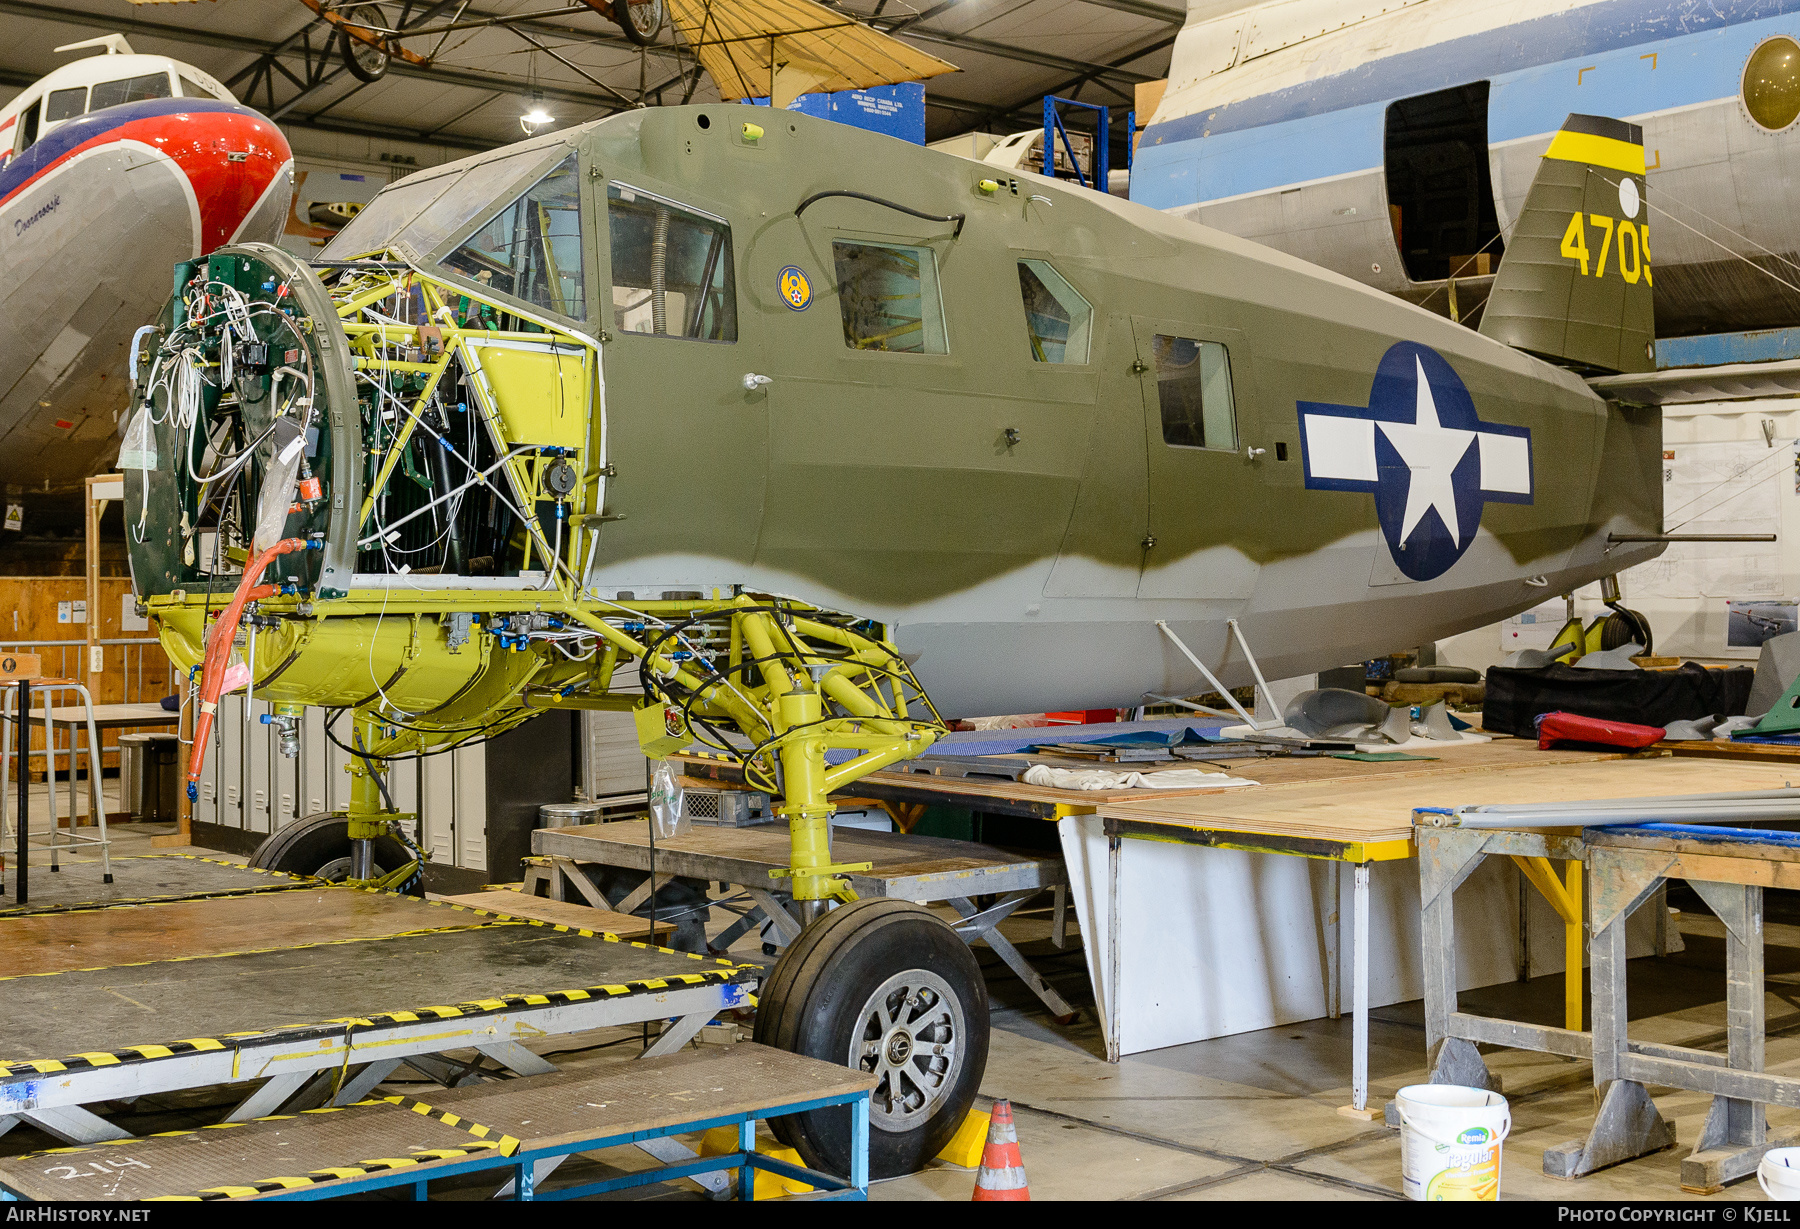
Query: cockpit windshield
x,y
422,212
531,250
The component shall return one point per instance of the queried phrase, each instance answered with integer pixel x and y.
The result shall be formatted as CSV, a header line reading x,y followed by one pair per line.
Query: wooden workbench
x,y
915,786
1174,909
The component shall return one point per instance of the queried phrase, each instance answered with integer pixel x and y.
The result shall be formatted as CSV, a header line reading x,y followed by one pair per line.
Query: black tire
x,y
366,63
307,846
643,26
1624,626
819,1001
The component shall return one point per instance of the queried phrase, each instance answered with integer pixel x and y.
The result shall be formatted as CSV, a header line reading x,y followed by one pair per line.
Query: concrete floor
x,y
1245,1117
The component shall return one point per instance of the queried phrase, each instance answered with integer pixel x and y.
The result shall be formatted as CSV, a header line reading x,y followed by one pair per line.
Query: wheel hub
x,y
912,1040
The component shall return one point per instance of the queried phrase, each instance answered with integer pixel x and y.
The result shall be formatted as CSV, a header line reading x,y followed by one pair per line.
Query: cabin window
x,y
1057,318
1193,389
671,268
888,294
531,249
65,104
129,89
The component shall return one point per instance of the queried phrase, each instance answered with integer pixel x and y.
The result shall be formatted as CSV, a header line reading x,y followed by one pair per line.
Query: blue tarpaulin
x,y
893,110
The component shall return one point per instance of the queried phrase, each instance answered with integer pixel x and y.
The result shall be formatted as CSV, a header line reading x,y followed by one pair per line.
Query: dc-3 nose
x,y
236,165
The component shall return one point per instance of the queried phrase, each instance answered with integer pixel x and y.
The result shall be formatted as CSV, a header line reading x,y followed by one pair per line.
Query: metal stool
x,y
76,839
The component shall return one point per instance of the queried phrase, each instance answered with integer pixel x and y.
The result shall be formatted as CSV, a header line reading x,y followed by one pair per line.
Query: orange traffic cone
x,y
1002,1173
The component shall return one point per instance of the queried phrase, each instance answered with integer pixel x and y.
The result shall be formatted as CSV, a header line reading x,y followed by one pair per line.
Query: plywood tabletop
x,y
558,913
1382,810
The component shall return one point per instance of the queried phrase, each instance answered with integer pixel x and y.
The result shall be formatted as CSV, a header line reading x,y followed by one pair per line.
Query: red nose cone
x,y
231,157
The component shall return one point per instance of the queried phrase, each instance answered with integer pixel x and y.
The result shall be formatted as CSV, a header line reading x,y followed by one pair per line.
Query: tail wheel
x,y
319,847
1624,627
885,986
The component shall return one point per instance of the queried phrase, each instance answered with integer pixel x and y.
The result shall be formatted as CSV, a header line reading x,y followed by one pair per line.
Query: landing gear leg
x,y
885,986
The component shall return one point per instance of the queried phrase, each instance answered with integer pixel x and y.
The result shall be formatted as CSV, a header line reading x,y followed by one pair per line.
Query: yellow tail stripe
x,y
1597,151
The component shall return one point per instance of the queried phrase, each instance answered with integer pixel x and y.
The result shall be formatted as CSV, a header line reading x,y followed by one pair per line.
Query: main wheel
x,y
366,63
641,20
319,846
888,987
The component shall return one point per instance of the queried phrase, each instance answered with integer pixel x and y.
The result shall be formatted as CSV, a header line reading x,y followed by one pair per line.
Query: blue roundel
x,y
1420,448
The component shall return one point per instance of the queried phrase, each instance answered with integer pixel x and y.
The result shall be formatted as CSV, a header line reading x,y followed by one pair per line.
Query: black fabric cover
x,y
1643,697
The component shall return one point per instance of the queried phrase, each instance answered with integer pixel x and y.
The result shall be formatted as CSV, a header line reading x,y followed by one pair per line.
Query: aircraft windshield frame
x,y
465,201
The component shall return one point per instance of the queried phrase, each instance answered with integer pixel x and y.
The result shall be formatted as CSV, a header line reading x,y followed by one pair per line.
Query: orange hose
x,y
218,649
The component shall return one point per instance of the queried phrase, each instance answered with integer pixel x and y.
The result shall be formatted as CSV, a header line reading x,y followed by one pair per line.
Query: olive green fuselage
x,y
1031,574
1018,525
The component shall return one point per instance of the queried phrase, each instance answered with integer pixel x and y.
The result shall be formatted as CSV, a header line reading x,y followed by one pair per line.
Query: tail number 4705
x,y
1633,244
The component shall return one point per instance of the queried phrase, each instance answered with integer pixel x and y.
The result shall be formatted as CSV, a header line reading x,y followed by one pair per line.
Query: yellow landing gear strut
x,y
799,685
370,818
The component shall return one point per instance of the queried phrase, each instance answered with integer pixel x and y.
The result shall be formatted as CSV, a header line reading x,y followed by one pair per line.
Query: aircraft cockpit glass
x,y
424,209
888,293
65,104
671,268
1193,389
1057,318
1771,86
130,89
193,89
531,250
384,217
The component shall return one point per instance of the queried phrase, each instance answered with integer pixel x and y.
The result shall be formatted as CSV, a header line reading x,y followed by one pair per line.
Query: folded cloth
x,y
1554,728
1099,778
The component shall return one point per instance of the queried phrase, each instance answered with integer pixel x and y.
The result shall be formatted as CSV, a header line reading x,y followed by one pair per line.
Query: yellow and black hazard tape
x,y
353,1024
88,906
214,1126
607,935
486,1139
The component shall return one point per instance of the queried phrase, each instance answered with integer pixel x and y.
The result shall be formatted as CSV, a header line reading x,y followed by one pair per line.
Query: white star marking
x,y
1432,453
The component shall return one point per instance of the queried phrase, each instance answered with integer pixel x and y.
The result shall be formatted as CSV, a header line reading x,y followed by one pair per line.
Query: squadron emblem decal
x,y
1420,449
796,290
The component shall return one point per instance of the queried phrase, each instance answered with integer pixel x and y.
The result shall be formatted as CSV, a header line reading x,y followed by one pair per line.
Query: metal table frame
x,y
1728,867
1014,883
1360,855
1447,857
528,1164
300,1067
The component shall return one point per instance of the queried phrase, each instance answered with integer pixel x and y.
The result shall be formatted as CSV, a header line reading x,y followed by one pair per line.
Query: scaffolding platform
x,y
918,868
523,1125
315,995
137,879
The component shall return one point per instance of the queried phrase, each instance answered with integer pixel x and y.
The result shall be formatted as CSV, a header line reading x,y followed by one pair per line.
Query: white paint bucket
x,y
1450,1139
1779,1174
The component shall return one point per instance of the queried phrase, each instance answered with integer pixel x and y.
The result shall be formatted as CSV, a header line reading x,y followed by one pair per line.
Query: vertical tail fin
x,y
1574,286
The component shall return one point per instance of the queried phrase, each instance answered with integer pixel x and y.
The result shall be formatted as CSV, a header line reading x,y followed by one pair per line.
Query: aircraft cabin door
x,y
675,397
1206,494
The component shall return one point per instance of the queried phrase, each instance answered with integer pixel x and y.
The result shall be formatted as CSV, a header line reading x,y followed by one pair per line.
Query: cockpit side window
x,y
193,89
129,89
65,104
1193,390
1057,319
888,294
531,250
672,273
28,126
